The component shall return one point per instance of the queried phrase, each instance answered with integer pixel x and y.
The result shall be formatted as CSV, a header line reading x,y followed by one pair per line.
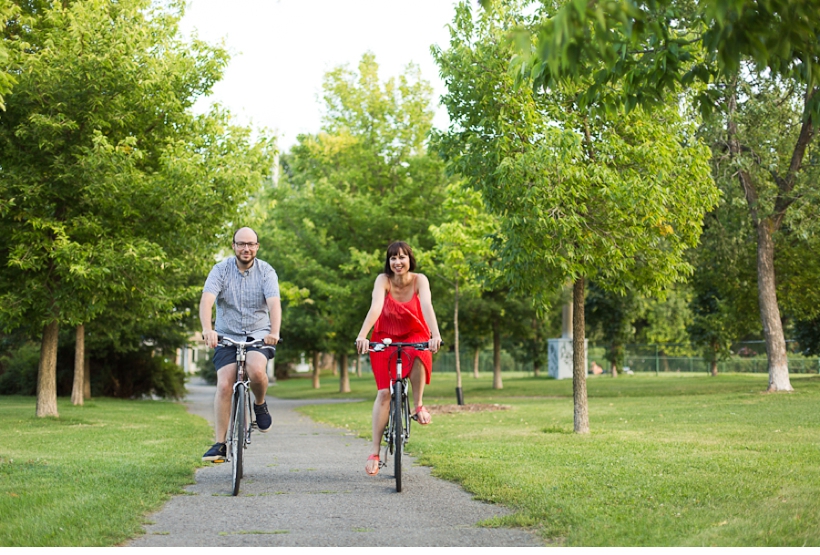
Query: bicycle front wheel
x,y
238,433
397,438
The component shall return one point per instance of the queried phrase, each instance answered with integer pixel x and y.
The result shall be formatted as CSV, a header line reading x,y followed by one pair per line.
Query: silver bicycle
x,y
242,420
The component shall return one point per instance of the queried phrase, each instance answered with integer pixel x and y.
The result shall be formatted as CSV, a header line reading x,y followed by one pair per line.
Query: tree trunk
x,y
455,333
713,358
47,372
344,378
769,311
614,368
79,367
579,372
316,370
475,362
497,356
766,226
87,378
536,364
358,365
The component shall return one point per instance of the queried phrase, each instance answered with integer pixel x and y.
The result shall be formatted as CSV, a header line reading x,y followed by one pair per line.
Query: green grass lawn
x,y
671,460
675,459
89,477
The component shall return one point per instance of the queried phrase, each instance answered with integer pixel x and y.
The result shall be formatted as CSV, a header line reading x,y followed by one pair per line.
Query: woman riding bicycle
x,y
401,310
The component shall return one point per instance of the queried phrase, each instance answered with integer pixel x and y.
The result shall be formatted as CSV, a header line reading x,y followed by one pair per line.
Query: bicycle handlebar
x,y
259,343
379,346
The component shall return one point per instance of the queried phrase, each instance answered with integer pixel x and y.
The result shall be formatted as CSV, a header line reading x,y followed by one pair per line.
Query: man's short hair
x,y
243,227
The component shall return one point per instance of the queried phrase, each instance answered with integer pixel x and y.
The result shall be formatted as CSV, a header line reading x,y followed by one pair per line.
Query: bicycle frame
x,y
397,381
241,384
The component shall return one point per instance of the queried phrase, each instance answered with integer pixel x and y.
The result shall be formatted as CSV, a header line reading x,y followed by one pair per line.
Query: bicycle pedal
x,y
219,461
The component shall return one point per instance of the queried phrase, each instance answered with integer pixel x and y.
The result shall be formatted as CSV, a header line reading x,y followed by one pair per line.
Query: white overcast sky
x,y
281,50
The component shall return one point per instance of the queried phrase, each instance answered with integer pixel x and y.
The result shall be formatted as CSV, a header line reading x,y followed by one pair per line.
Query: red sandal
x,y
418,412
378,465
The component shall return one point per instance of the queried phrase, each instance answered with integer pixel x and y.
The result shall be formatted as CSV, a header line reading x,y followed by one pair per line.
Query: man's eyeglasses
x,y
249,245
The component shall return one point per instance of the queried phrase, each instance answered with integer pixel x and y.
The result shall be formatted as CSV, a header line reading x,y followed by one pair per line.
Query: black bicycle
x,y
397,432
242,417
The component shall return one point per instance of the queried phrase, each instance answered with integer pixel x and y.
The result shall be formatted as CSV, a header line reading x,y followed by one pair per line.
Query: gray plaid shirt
x,y
241,310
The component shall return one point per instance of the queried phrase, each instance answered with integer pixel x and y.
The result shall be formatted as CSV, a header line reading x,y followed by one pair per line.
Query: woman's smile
x,y
399,262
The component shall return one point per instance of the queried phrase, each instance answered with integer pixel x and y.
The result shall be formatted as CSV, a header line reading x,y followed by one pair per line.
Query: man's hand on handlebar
x,y
211,338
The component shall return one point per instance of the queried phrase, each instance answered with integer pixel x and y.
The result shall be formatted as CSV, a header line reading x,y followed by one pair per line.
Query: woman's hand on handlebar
x,y
435,343
362,345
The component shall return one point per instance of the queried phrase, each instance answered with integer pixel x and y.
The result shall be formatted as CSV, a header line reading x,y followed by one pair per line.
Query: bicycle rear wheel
x,y
397,438
238,433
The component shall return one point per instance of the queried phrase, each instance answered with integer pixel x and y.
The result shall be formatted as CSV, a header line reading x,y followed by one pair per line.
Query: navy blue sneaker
x,y
217,453
263,419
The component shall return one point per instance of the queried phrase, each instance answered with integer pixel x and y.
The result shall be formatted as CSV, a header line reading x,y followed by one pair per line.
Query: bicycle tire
x,y
398,439
238,443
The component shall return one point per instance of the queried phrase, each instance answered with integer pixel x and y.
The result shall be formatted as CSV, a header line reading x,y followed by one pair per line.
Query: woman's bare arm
x,y
426,300
376,304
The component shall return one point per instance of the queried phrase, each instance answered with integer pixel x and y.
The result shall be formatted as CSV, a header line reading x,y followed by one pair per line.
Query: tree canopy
x,y
365,180
115,194
616,198
724,55
640,50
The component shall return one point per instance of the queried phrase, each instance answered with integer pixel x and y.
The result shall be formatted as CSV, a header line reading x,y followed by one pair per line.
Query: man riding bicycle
x,y
246,292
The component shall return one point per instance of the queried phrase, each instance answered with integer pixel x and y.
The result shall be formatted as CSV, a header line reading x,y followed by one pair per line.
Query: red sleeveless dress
x,y
402,322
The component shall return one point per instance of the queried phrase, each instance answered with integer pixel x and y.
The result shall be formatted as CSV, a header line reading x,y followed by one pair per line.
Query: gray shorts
x,y
223,356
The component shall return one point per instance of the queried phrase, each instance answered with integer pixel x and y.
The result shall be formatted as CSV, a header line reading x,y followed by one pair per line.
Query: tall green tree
x,y
116,194
462,252
7,80
724,304
581,194
636,52
364,180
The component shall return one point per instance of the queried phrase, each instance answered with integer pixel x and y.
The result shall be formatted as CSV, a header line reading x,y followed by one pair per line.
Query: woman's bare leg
x,y
418,378
381,408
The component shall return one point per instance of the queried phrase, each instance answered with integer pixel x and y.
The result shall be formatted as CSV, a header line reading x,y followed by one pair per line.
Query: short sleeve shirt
x,y
241,307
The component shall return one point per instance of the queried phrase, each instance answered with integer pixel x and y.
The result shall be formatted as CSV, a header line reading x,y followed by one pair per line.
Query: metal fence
x,y
637,363
446,362
674,358
639,358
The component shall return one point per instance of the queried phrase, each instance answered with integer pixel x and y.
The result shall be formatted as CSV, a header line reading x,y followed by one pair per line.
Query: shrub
x,y
19,374
206,370
137,374
128,375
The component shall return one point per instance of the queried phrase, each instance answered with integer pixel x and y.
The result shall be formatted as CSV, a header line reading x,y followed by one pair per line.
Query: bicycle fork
x,y
405,406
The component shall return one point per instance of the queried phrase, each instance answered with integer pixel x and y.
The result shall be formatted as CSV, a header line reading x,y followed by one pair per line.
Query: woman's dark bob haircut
x,y
395,248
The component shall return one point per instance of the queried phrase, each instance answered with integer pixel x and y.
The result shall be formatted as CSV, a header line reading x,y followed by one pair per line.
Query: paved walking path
x,y
305,485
